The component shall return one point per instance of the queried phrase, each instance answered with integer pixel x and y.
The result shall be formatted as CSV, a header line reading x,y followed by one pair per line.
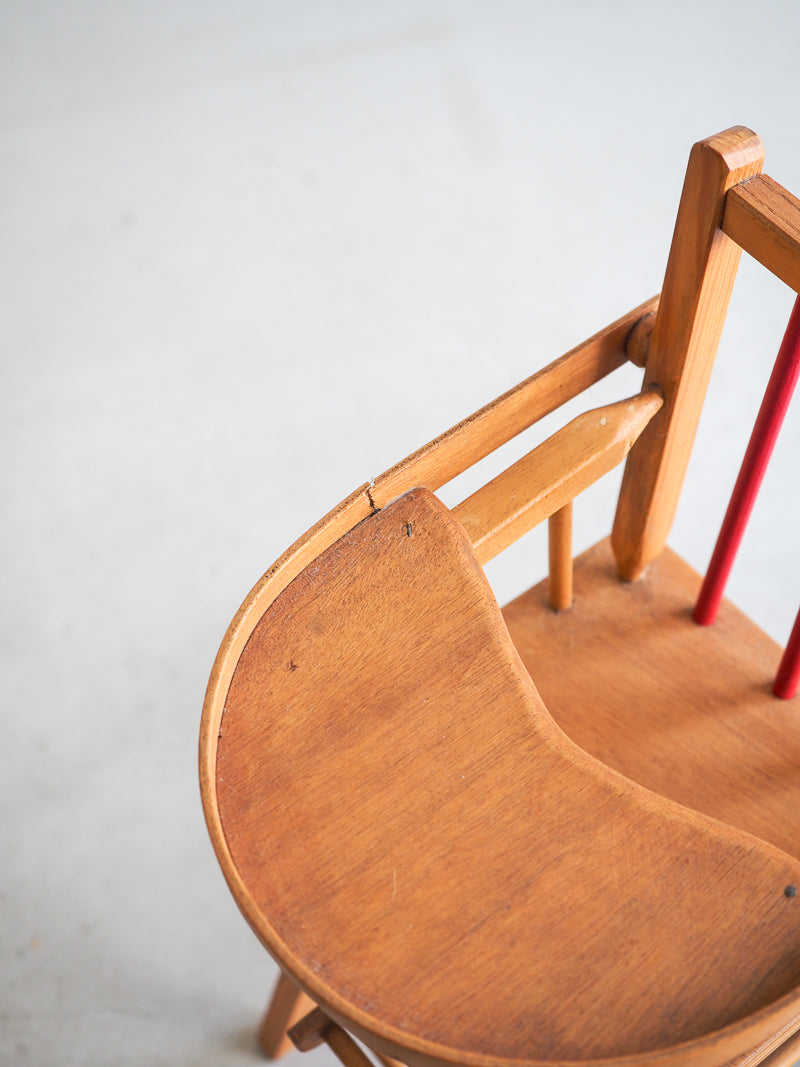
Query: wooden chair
x,y
490,839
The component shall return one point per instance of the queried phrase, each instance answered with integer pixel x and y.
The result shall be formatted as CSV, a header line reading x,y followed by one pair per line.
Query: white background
x,y
251,254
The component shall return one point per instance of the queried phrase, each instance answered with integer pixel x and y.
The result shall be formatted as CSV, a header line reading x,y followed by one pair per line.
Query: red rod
x,y
754,465
787,679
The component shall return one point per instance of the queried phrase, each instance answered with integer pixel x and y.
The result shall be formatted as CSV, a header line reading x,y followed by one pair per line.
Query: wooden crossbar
x,y
551,475
481,433
316,1027
763,218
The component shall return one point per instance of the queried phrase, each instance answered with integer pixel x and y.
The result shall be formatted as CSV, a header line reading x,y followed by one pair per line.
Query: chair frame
x,y
727,205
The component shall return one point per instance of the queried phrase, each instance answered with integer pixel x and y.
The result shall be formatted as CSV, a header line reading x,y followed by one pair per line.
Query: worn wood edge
x,y
514,411
710,1050
412,1050
606,348
464,444
334,525
700,273
759,1033
782,1049
763,218
590,446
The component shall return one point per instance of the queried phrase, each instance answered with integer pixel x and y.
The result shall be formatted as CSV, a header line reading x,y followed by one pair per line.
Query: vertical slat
x,y
697,285
787,679
560,550
754,465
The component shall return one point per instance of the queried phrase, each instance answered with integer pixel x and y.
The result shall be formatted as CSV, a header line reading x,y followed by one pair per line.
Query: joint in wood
x,y
637,343
309,1032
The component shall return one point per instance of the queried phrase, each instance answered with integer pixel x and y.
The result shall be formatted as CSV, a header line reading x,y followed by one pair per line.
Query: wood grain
x,y
559,544
682,709
763,218
780,1050
445,873
551,475
694,300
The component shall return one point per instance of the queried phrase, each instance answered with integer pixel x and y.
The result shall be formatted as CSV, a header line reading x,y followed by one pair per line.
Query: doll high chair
x,y
545,836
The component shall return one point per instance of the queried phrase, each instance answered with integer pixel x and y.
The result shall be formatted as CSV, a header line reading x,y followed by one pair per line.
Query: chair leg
x,y
287,1005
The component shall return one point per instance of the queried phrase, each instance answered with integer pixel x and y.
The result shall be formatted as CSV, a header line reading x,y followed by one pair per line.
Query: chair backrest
x,y
267,695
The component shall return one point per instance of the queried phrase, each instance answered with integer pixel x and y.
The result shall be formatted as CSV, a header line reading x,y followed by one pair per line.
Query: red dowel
x,y
787,679
762,441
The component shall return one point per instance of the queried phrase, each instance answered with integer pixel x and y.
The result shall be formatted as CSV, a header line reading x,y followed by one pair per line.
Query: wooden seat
x,y
567,837
685,710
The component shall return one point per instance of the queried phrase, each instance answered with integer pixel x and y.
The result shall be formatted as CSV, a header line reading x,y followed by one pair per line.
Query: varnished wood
x,y
309,1032
471,440
433,465
316,1027
344,1047
559,531
341,519
551,475
684,710
763,218
781,1049
694,300
418,844
287,1005
441,869
786,1055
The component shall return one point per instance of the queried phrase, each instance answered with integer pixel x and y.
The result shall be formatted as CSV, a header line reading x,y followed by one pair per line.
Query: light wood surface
x,y
694,300
442,869
763,218
552,475
432,465
559,542
780,1050
684,710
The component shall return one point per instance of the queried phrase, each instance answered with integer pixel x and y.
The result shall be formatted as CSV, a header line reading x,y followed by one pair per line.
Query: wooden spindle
x,y
559,530
754,465
787,680
287,1006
